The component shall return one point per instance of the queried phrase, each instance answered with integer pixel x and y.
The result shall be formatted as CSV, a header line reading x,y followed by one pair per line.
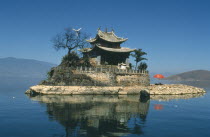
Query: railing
x,y
109,69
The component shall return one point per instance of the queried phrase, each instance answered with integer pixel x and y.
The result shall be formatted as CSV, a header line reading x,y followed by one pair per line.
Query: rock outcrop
x,y
176,89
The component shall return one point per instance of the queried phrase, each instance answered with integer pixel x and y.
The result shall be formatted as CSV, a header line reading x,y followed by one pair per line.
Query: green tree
x,y
138,56
143,66
85,61
70,39
70,60
130,65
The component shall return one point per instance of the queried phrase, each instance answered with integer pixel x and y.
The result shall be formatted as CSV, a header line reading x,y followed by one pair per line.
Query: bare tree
x,y
70,39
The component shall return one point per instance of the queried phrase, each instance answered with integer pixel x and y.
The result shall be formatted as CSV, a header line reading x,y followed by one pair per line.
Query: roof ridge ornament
x,y
112,30
99,28
106,30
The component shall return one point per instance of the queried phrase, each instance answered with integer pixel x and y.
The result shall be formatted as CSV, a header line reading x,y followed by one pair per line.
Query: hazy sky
x,y
174,33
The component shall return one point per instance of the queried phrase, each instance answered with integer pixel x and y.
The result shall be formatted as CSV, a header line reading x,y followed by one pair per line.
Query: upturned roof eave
x,y
94,40
121,50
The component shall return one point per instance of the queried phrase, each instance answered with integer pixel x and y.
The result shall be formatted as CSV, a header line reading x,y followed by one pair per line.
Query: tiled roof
x,y
107,36
122,49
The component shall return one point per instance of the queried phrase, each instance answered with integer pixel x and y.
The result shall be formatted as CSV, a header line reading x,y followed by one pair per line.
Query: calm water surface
x,y
100,116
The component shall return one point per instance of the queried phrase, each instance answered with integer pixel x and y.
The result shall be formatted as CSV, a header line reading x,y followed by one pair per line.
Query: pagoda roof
x,y
122,49
107,36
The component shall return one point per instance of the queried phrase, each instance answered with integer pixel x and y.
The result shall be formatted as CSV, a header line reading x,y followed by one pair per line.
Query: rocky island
x,y
103,69
176,89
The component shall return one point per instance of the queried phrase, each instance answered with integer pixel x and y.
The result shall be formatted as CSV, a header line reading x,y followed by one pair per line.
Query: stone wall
x,y
96,77
133,79
118,79
100,77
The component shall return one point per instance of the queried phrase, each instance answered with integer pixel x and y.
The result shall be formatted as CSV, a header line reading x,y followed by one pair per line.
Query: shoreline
x,y
166,89
74,99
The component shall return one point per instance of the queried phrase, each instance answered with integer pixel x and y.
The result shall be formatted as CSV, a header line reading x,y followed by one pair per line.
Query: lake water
x,y
100,116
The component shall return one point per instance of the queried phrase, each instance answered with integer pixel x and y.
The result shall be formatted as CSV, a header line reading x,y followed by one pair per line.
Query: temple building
x,y
106,49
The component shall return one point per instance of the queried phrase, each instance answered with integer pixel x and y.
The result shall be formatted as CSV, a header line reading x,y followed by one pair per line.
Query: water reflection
x,y
158,106
171,97
96,116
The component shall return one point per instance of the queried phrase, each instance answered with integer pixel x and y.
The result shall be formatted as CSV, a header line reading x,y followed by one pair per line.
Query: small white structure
x,y
122,66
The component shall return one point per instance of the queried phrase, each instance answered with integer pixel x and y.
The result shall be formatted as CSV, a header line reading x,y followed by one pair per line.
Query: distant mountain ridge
x,y
195,75
27,68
